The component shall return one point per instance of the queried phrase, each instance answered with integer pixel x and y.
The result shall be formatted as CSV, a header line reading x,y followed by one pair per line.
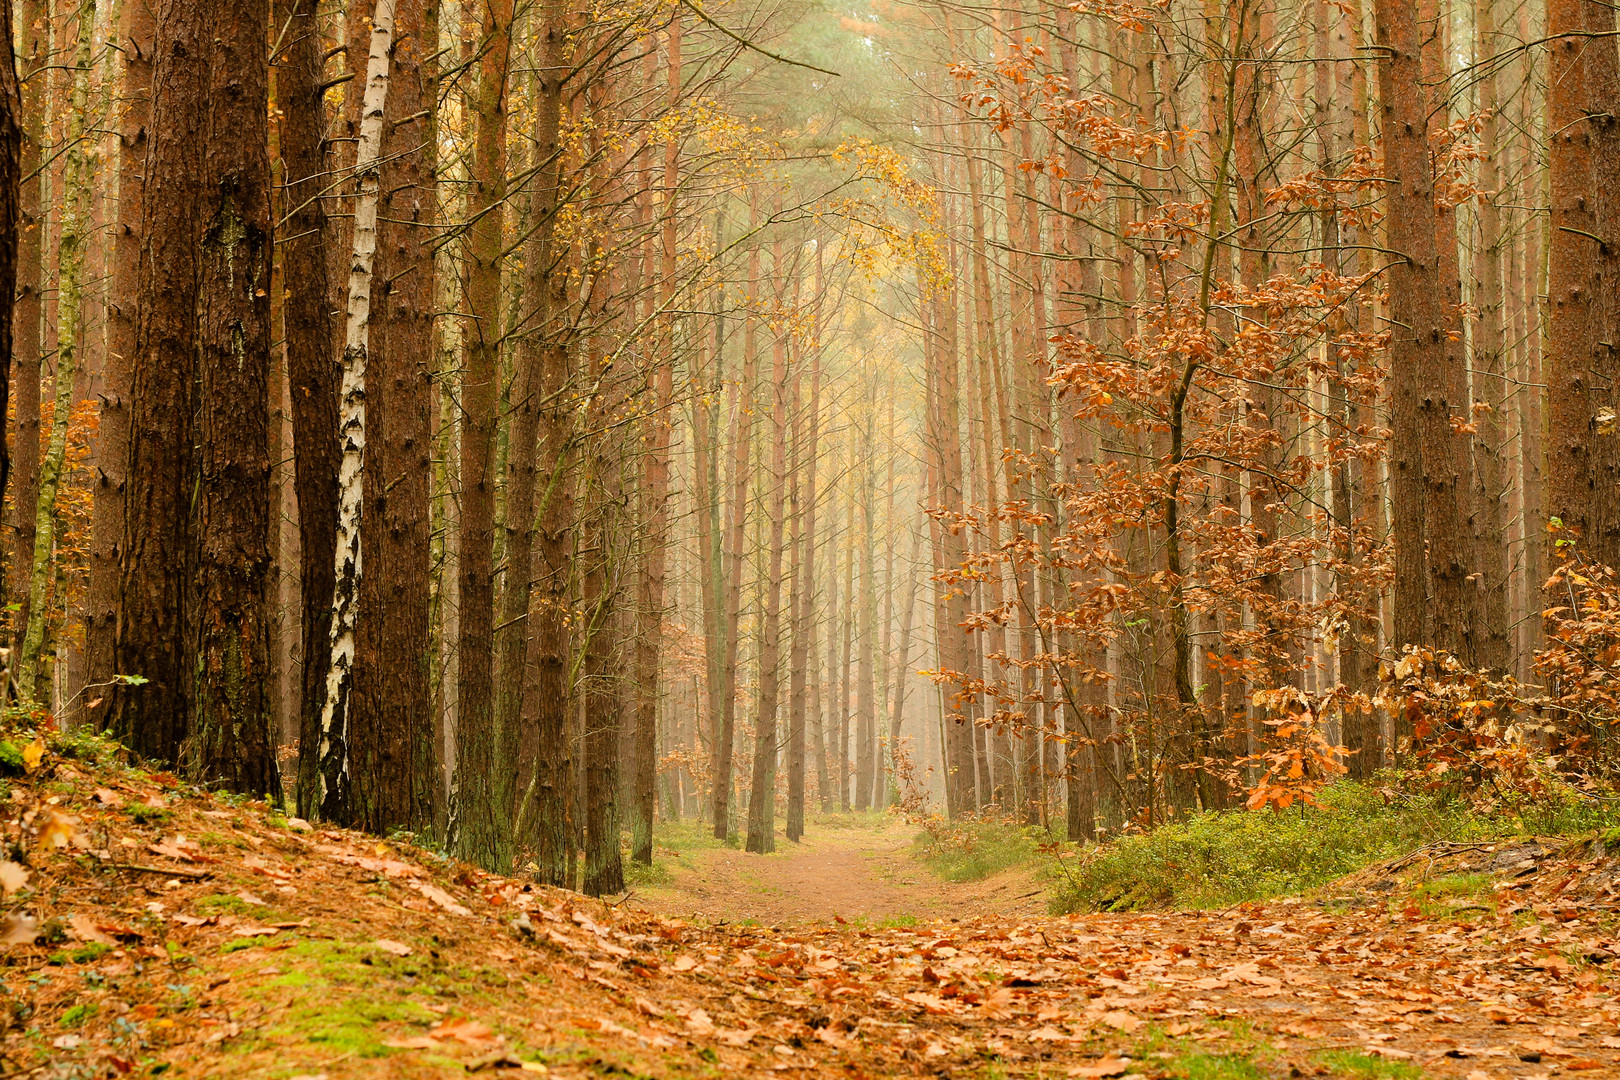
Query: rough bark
x,y
483,829
312,368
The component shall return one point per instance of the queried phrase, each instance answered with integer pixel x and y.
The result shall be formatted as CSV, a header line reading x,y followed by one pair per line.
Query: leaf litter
x,y
324,952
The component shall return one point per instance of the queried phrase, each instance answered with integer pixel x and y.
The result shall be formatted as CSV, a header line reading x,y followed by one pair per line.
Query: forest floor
x,y
155,930
861,869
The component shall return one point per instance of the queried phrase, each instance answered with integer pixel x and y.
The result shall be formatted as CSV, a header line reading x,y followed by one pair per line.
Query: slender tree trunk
x,y
483,830
762,789
737,546
70,252
655,488
1416,318
391,729
1579,368
335,758
804,589
311,373
28,314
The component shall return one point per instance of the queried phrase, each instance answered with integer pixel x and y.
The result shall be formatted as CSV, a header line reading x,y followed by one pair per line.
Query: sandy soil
x,y
858,874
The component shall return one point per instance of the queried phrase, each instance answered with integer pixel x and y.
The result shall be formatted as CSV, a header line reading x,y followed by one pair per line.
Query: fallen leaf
x,y
470,1032
18,929
60,830
109,797
85,929
1108,1066
12,877
394,947
699,1023
736,1038
440,897
684,963
1120,1020
32,755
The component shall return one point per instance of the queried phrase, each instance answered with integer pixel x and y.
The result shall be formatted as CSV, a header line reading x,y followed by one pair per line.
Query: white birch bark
x,y
352,423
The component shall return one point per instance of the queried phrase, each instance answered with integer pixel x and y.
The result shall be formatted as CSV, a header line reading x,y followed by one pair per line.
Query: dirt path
x,y
860,874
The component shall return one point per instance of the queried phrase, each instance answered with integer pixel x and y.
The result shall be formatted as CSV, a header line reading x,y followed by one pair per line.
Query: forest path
x,y
858,869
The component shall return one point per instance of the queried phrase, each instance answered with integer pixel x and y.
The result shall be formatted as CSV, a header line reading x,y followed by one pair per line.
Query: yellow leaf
x,y
33,754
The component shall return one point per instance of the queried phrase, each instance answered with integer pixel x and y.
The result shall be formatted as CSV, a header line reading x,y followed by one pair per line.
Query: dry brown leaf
x,y
17,928
84,929
440,897
1120,1020
471,1032
1103,1067
683,963
61,830
109,797
13,876
394,947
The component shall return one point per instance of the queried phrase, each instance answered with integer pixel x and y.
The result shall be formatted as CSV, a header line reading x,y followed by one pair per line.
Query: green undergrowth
x,y
975,850
1237,1054
1227,857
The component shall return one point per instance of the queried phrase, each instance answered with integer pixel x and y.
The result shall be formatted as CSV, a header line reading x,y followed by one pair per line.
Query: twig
x,y
194,875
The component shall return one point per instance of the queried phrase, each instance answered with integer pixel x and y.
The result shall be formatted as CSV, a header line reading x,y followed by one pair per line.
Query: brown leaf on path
x,y
1103,1067
684,963
395,947
175,847
471,1032
61,830
13,876
698,1022
440,897
1120,1020
17,928
109,797
84,929
736,1038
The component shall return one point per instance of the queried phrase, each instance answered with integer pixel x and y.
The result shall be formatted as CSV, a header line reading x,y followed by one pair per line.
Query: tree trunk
x,y
541,421
1579,367
391,737
655,489
762,788
74,236
338,703
28,314
311,372
1416,318
483,833
737,546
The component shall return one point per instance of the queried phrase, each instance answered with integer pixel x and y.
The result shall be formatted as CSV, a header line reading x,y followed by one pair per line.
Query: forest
x,y
1136,446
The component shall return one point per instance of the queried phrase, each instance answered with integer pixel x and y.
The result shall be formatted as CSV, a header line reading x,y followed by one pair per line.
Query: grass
x,y
1184,1059
1354,1065
1450,896
1231,856
976,850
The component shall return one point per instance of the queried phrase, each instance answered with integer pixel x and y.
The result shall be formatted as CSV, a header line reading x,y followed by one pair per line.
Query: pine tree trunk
x,y
541,422
1490,370
483,829
69,328
801,665
655,491
1580,366
1415,311
28,316
762,788
311,374
391,742
734,555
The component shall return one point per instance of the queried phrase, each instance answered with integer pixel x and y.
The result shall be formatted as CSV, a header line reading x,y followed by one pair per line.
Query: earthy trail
x,y
856,869
155,930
